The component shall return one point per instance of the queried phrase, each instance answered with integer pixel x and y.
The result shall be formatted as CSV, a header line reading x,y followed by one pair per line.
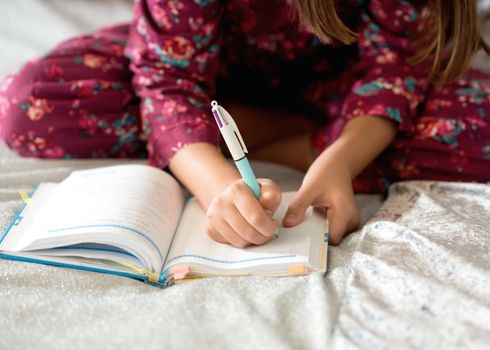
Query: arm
x,y
361,141
387,85
233,214
215,172
383,100
328,182
174,48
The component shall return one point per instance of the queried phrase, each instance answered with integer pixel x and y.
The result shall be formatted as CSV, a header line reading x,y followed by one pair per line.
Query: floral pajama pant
x,y
77,102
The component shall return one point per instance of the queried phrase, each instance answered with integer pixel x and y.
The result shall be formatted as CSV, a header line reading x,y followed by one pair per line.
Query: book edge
x,y
18,214
77,267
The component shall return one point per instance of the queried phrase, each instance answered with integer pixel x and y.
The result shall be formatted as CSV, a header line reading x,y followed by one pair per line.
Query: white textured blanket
x,y
416,276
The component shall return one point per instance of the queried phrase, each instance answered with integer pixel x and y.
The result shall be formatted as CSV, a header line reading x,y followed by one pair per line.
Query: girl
x,y
359,93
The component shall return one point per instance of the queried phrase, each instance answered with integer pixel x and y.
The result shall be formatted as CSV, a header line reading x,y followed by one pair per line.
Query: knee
x,y
19,109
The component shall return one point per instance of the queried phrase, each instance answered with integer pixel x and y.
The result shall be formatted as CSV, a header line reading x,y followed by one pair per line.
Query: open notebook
x,y
135,221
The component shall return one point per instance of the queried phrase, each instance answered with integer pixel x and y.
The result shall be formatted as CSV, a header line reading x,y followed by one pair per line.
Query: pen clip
x,y
225,119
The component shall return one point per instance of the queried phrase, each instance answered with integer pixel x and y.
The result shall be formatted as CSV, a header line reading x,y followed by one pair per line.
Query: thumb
x,y
297,208
337,226
270,195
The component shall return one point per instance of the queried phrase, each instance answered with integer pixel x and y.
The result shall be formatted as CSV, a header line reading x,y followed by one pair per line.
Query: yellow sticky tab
x,y
25,197
152,277
180,272
297,270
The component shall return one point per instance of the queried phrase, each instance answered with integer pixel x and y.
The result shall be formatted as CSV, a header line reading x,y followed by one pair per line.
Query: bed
x,y
416,275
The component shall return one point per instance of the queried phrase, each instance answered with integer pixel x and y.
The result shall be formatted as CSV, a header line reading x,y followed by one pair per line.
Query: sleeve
x,y
387,85
174,48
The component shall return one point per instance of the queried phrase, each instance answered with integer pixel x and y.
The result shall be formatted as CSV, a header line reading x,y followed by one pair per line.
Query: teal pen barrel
x,y
248,175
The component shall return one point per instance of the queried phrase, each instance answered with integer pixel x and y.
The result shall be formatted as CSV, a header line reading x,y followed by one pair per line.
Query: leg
x,y
262,126
294,151
74,102
451,141
273,135
290,104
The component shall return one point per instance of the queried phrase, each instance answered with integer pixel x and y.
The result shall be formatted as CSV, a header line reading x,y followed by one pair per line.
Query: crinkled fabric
x,y
415,276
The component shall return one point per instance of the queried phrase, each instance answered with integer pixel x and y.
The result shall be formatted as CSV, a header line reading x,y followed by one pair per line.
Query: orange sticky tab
x,y
180,272
297,270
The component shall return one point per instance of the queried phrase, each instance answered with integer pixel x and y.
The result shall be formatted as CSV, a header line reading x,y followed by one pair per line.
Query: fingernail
x,y
268,212
290,218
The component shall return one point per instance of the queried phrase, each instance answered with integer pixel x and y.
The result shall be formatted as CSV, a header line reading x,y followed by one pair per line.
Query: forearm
x,y
203,170
361,141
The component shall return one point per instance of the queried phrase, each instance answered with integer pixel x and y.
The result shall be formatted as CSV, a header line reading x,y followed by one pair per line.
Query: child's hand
x,y
326,185
328,182
236,217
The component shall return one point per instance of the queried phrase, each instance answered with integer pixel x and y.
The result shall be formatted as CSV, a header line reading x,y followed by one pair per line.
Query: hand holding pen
x,y
241,214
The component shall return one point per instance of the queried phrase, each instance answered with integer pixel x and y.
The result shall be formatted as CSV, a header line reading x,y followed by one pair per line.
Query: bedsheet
x,y
415,276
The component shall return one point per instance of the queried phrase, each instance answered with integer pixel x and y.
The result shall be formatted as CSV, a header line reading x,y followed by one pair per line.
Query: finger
x,y
252,211
215,235
243,228
219,229
297,207
337,226
270,195
211,230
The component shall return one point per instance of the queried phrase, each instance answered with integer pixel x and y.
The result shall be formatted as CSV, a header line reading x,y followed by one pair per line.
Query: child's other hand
x,y
326,185
236,217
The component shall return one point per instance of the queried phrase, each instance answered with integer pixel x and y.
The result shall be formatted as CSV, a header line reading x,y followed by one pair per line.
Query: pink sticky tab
x,y
180,272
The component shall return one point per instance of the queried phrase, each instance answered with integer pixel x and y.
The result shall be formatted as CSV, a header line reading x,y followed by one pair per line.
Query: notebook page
x,y
192,244
137,203
15,237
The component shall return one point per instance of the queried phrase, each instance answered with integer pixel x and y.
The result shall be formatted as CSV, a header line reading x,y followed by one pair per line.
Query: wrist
x,y
327,169
361,141
203,170
334,158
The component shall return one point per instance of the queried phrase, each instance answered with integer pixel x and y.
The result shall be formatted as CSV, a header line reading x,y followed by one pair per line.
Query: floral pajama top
x,y
162,71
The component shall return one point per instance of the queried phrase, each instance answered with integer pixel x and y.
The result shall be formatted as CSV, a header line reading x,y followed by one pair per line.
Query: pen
x,y
238,150
235,144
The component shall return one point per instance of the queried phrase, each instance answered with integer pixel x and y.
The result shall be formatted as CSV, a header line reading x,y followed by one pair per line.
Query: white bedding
x,y
46,307
416,276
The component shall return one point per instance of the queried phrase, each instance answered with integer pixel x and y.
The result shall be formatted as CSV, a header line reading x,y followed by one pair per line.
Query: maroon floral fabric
x,y
144,89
